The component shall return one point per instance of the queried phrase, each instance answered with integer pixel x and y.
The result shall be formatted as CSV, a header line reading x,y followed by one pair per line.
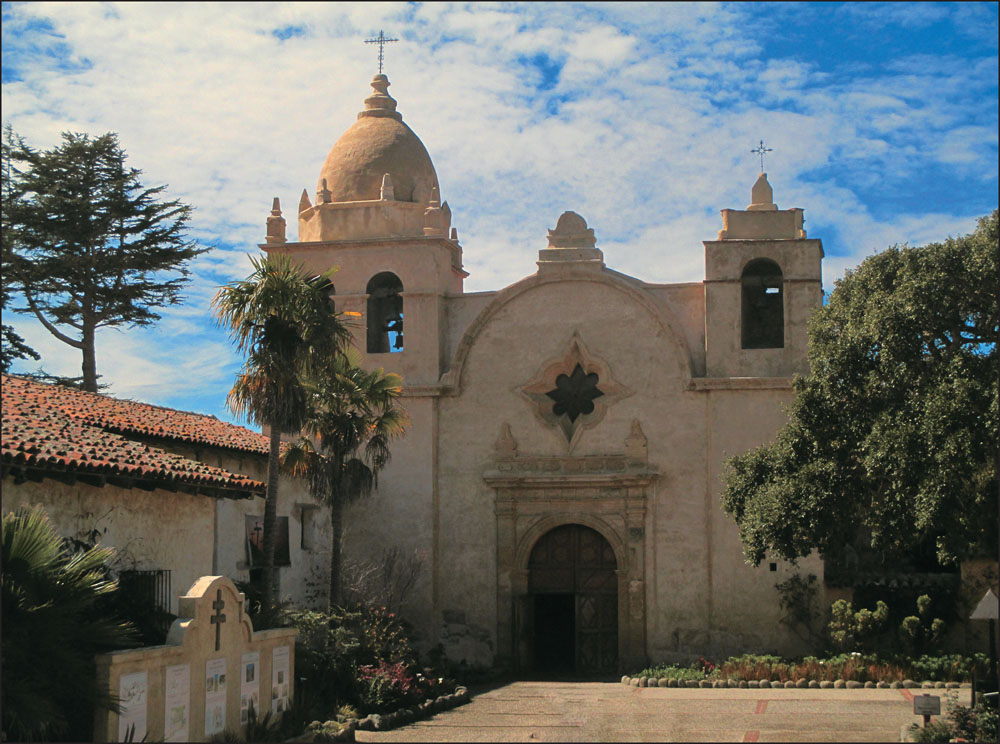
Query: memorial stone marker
x,y
184,690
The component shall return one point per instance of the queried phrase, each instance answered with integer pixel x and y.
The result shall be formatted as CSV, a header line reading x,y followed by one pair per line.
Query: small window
x,y
763,306
385,314
255,541
311,528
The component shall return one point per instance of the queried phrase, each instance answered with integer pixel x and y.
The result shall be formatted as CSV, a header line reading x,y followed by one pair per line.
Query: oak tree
x,y
893,433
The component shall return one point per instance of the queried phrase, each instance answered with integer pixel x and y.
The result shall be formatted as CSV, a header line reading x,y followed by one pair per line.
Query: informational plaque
x,y
215,696
132,693
177,703
926,705
249,686
279,679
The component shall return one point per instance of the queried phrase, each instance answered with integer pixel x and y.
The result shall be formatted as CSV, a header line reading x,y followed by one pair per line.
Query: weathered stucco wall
x,y
151,530
190,535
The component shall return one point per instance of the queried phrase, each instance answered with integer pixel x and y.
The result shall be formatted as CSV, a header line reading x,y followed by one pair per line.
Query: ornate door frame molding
x,y
536,494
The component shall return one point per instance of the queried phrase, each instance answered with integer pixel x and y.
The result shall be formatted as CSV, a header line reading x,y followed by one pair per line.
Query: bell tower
x,y
378,216
762,279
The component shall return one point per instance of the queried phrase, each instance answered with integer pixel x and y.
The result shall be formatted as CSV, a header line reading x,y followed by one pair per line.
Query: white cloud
x,y
646,131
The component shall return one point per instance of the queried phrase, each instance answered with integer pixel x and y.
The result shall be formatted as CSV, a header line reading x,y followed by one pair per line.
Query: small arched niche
x,y
385,313
763,305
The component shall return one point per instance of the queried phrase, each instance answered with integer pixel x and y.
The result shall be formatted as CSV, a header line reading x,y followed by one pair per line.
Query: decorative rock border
x,y
800,684
401,717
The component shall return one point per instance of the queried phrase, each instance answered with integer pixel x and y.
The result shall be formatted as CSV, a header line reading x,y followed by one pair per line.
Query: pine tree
x,y
90,246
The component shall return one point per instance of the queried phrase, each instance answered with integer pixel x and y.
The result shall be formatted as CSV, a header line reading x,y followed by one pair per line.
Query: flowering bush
x,y
384,636
849,666
387,686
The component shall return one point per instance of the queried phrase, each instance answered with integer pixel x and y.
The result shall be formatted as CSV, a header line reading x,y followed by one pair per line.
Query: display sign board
x,y
926,705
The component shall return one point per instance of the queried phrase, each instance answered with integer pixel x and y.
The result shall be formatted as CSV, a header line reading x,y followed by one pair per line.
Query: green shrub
x,y
361,657
671,671
935,731
49,688
387,686
978,723
852,630
921,630
853,666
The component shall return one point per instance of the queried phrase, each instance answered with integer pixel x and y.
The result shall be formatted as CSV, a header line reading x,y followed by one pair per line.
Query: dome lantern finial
x,y
380,103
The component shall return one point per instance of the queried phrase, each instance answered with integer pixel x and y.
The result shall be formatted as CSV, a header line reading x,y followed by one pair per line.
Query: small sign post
x,y
926,706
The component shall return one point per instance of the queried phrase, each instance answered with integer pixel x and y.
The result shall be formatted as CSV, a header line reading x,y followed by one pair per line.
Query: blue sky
x,y
641,117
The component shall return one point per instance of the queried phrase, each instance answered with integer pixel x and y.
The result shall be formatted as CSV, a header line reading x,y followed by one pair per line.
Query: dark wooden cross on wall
x,y
218,618
381,41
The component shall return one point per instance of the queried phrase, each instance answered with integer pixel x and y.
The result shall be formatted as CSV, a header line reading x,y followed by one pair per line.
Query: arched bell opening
x,y
572,603
385,313
763,305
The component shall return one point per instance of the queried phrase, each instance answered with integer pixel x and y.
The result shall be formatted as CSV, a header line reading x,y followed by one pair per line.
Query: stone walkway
x,y
597,711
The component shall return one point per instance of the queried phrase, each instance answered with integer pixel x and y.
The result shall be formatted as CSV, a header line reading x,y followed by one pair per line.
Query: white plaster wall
x,y
510,350
305,582
400,512
149,529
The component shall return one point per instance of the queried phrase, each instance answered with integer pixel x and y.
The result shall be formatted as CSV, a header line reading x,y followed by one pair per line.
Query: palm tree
x,y
55,618
284,321
353,417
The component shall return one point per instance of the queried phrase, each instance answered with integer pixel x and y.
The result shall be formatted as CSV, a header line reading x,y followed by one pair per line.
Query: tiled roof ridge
x,y
120,419
108,396
45,434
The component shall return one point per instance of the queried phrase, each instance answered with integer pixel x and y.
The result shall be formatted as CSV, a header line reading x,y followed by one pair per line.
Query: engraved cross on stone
x,y
218,618
760,150
381,41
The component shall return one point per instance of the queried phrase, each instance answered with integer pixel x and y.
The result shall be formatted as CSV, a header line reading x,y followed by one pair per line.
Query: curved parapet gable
x,y
452,380
202,681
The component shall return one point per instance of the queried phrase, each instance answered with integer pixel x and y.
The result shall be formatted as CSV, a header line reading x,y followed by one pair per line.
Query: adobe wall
x,y
149,529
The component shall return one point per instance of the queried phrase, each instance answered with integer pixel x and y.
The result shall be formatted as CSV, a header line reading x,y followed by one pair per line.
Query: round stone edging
x,y
424,709
811,684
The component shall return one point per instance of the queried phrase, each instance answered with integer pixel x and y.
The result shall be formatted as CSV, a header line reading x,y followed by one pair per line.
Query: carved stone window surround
x,y
536,391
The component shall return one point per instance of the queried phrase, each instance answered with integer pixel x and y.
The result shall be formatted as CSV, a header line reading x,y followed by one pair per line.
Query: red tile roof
x,y
54,428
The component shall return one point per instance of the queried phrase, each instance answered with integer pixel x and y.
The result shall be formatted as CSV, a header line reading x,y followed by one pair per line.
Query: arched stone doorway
x,y
573,602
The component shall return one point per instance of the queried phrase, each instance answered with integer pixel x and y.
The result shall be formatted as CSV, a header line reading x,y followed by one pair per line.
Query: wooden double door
x,y
572,606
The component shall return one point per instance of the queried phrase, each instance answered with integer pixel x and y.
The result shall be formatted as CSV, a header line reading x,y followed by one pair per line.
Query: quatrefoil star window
x,y
573,391
574,394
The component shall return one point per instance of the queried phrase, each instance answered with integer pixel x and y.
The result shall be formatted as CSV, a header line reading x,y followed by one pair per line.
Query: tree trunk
x,y
89,358
336,530
270,521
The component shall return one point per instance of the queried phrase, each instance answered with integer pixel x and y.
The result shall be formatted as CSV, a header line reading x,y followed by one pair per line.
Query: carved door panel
x,y
577,560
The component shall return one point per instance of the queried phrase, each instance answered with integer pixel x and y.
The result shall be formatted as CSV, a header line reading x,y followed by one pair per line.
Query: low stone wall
x,y
205,678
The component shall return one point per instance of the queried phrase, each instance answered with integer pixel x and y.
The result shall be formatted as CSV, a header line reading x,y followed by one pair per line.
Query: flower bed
x,y
843,671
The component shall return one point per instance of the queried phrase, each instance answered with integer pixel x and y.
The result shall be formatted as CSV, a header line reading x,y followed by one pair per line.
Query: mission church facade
x,y
561,474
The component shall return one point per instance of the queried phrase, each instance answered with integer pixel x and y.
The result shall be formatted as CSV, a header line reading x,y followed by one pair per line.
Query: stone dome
x,y
378,143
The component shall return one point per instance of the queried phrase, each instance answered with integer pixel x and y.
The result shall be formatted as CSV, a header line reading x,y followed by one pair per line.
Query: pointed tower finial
x,y
304,202
275,225
386,193
762,196
380,103
324,195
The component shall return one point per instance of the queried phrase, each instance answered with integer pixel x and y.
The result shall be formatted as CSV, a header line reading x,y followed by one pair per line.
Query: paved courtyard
x,y
598,711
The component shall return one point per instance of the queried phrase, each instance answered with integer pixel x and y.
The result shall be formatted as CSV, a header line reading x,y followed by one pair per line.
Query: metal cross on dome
x,y
760,150
381,41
